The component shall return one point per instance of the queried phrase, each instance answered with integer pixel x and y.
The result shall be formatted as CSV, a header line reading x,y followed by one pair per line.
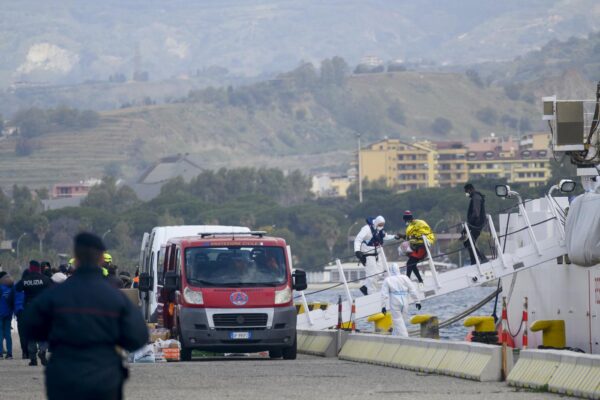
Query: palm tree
x,y
40,229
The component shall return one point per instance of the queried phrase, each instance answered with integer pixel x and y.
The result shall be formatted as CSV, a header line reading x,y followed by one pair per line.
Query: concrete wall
x,y
320,343
566,372
460,359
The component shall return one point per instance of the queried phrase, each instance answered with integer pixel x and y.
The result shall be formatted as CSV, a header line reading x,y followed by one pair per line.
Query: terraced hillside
x,y
306,133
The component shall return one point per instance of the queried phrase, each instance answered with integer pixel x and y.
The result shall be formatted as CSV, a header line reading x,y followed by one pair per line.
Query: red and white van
x,y
231,293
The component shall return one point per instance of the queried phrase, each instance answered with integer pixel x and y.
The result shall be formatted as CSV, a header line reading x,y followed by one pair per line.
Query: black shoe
x,y
43,359
33,363
364,290
9,357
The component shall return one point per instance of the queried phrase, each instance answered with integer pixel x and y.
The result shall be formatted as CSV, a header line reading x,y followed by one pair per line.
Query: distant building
x,y
536,141
56,204
428,164
418,165
369,64
326,185
149,184
68,190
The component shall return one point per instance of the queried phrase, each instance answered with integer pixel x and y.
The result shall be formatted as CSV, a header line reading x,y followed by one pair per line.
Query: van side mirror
x,y
171,281
502,190
567,185
146,282
299,280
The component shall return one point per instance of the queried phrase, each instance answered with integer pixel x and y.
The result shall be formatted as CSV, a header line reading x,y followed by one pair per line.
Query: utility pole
x,y
360,190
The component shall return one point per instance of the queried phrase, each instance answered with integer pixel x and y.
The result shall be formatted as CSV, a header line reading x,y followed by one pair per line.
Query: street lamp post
x,y
106,233
19,244
360,188
348,234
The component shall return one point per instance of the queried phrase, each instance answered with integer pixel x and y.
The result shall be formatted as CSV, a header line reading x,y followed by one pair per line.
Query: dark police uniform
x,y
83,320
32,285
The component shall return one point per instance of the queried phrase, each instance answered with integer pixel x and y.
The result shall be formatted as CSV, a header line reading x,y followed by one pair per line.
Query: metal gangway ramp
x,y
531,254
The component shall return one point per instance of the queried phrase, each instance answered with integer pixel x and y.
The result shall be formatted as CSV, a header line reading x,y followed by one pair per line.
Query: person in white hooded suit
x,y
398,289
366,244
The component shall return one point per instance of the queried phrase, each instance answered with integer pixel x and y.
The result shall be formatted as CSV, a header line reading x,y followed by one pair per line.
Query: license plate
x,y
239,335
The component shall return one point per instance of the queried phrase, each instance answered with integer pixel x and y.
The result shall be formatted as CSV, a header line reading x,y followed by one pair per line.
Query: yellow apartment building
x,y
530,167
426,164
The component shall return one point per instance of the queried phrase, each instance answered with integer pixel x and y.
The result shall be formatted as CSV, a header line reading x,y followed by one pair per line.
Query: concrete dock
x,y
264,379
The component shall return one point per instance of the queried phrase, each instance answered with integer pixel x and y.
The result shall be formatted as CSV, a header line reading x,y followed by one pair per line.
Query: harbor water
x,y
443,307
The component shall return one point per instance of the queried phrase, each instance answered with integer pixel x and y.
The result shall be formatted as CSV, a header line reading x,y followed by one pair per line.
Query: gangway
x,y
533,253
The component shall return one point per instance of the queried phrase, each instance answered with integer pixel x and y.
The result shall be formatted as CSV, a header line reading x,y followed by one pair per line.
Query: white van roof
x,y
163,233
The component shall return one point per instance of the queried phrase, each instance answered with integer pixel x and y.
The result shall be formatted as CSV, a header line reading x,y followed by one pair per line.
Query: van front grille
x,y
240,320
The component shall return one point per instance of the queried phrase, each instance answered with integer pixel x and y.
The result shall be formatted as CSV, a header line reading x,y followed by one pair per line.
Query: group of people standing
x,y
15,298
398,289
80,321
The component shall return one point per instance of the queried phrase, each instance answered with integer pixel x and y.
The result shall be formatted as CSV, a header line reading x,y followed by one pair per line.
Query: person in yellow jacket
x,y
415,230
104,267
107,264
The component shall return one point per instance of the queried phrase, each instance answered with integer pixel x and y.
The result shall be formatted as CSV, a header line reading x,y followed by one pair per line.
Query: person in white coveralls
x,y
366,244
397,289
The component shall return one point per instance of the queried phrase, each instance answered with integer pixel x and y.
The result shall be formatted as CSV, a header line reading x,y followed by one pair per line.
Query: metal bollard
x,y
429,324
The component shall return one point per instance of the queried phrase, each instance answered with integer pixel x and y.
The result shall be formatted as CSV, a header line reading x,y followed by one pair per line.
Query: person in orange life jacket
x,y
366,244
476,220
136,278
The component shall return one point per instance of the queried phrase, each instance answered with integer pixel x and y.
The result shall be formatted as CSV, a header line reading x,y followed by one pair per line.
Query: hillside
x,y
75,41
307,129
551,60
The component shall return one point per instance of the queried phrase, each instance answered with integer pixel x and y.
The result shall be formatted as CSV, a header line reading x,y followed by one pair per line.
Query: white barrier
x,y
475,361
565,372
320,343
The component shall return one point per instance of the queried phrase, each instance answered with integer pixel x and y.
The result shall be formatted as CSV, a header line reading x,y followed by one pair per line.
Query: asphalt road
x,y
307,378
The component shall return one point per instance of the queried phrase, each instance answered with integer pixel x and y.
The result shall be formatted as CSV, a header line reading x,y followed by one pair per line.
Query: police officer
x,y
84,319
32,285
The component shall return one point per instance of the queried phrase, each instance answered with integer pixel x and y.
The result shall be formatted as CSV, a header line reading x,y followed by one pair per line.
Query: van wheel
x,y
185,354
290,353
275,353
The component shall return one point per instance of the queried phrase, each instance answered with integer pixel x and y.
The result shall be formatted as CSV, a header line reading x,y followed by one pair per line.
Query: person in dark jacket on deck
x,y
84,319
476,220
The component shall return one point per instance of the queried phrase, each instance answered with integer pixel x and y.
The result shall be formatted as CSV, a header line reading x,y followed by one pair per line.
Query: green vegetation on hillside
x,y
307,118
262,199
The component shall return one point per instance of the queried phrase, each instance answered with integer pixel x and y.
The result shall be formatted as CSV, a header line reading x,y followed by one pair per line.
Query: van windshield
x,y
235,266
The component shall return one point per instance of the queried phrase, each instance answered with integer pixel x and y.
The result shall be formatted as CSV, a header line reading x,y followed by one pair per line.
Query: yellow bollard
x,y
553,332
429,325
484,329
383,323
481,323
